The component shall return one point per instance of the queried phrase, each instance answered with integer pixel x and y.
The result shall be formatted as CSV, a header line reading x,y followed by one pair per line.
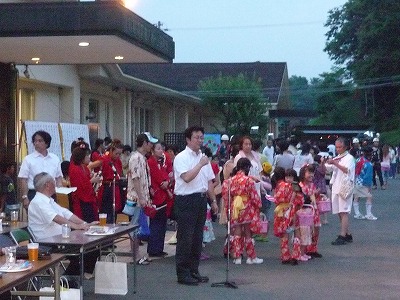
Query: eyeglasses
x,y
198,137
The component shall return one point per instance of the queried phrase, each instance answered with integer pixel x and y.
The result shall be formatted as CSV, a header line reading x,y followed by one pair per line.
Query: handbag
x,y
144,230
129,208
346,187
66,293
111,276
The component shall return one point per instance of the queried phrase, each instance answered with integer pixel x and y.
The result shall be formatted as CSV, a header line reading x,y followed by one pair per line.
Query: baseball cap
x,y
151,139
375,140
355,140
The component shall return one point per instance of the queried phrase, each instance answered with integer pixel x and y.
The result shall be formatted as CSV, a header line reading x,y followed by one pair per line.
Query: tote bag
x,y
346,187
111,276
66,293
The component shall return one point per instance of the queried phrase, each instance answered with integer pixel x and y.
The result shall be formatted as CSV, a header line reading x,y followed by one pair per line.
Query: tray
x,y
100,230
20,266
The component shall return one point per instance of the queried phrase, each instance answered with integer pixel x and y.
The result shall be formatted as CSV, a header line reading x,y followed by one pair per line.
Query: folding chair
x,y
21,237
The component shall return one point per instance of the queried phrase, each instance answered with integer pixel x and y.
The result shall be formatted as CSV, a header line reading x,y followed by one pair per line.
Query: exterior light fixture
x,y
83,44
119,57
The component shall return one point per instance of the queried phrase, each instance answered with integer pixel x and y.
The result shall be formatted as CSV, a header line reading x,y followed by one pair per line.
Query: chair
x,y
63,200
21,237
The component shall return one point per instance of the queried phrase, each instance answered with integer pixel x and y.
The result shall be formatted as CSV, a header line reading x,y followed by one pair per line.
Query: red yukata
x,y
105,193
249,212
241,185
310,189
284,217
84,200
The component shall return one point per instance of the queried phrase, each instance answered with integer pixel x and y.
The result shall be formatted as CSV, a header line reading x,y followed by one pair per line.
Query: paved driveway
x,y
369,268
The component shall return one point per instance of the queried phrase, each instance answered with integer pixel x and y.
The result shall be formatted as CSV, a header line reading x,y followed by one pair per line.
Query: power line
x,y
234,27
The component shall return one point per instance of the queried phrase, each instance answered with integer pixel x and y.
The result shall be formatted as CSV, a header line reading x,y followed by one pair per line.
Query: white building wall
x,y
57,92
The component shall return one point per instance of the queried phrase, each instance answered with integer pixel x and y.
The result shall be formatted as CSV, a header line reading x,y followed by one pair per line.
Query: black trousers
x,y
158,228
190,211
377,171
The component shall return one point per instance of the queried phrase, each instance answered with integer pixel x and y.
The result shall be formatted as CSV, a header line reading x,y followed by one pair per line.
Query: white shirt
x,y
269,152
41,212
186,161
36,163
337,175
301,160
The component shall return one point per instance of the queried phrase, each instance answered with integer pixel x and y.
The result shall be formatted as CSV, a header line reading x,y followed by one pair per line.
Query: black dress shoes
x,y
188,281
199,278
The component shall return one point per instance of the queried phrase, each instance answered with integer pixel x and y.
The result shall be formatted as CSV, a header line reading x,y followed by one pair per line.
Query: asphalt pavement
x,y
368,268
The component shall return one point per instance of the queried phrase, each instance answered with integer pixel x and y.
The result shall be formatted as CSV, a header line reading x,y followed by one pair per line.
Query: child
x,y
319,181
309,190
284,216
266,188
362,188
208,232
8,194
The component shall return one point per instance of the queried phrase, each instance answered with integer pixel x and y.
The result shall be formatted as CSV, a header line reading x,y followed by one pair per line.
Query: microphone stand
x,y
227,283
113,189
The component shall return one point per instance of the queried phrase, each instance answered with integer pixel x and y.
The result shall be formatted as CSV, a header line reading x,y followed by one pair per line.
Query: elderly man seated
x,y
45,218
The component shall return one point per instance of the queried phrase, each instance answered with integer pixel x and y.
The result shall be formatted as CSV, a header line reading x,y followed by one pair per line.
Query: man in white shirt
x,y
269,151
193,179
41,160
341,166
45,219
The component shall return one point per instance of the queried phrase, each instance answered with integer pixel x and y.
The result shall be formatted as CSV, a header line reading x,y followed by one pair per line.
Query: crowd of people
x,y
241,181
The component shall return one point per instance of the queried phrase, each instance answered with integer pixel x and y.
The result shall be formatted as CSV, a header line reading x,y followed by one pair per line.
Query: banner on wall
x,y
62,136
212,141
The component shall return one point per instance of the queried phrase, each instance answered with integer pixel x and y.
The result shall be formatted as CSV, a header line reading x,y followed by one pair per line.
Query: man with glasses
x,y
193,179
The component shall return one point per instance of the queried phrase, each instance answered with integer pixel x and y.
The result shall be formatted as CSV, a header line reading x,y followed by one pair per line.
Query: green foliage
x,y
301,93
363,36
237,101
391,137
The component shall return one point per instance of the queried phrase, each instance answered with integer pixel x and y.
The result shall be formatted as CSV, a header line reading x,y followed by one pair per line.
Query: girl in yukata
x,y
309,190
245,211
287,201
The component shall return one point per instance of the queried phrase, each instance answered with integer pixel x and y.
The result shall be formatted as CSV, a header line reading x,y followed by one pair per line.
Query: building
x,y
46,75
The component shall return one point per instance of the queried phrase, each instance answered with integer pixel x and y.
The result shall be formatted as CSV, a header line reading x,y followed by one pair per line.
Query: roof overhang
x,y
52,31
112,74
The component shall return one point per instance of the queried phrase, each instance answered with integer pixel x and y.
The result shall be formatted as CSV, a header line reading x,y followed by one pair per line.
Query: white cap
x,y
224,137
355,140
151,139
375,140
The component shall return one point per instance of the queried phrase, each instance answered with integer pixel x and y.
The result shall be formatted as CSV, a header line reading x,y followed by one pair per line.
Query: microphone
x,y
113,167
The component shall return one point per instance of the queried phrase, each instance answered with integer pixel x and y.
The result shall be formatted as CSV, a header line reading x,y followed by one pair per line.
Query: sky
x,y
209,31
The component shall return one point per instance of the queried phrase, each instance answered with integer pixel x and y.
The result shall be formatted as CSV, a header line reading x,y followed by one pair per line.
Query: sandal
x,y
143,261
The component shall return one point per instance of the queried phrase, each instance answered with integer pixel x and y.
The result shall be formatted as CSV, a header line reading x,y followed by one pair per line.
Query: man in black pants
x,y
376,160
193,178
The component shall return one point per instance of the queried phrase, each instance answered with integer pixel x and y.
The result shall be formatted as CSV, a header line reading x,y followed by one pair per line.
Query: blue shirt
x,y
365,177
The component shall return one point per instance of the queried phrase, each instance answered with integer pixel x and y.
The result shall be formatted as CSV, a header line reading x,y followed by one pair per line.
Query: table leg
x,y
57,281
134,242
82,271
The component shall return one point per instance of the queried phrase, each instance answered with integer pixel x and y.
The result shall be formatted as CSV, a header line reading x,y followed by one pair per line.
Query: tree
x,y
237,101
300,93
337,103
363,37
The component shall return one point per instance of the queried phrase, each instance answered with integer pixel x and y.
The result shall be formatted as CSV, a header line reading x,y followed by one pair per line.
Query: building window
x,y
144,120
26,104
26,112
93,111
